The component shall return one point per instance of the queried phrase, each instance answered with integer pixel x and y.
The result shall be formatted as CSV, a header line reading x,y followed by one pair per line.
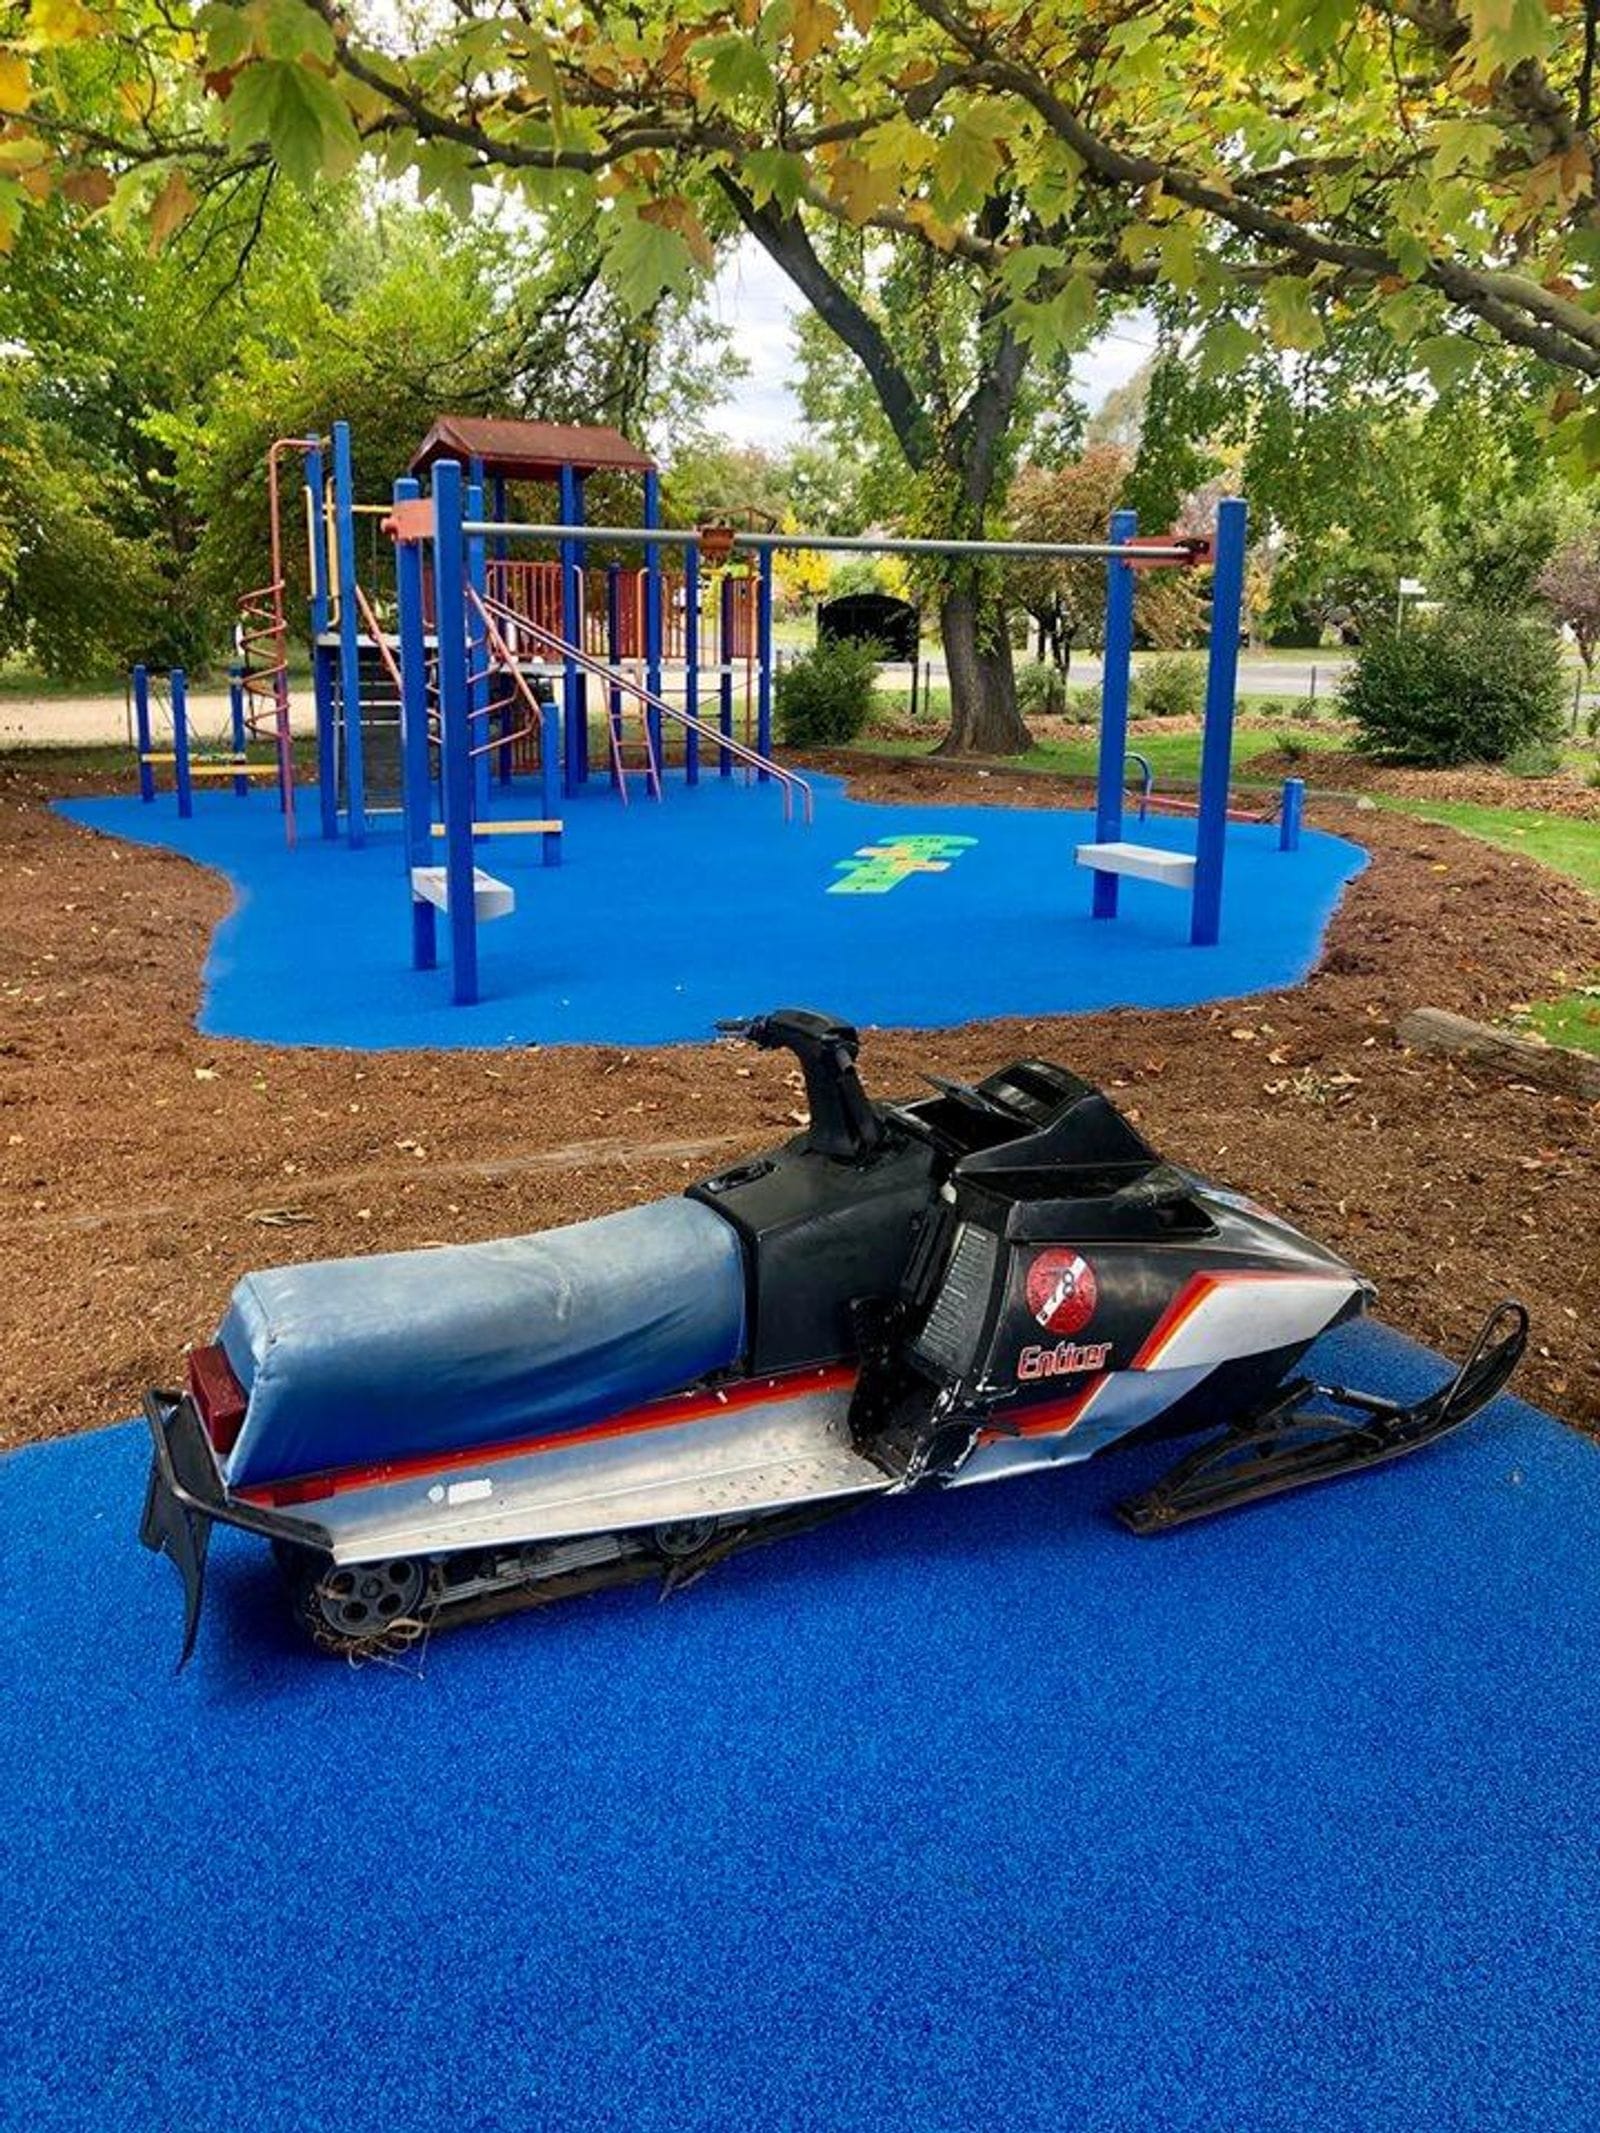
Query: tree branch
x,y
784,239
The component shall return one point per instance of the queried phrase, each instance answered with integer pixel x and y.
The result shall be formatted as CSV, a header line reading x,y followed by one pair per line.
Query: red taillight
x,y
219,1396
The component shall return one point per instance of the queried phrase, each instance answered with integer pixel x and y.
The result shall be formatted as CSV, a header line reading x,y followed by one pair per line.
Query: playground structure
x,y
480,657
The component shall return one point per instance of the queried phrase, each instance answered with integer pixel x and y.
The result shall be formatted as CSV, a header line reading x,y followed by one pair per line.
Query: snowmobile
x,y
950,1290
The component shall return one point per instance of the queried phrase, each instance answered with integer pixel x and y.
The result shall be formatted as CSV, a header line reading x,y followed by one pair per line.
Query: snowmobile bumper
x,y
1289,1445
184,1498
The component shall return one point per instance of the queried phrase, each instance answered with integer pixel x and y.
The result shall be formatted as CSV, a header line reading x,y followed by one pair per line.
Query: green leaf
x,y
645,260
736,68
1506,32
444,173
1179,249
1025,265
1410,254
1406,313
966,165
1291,316
290,30
299,114
228,31
1446,357
776,175
1225,348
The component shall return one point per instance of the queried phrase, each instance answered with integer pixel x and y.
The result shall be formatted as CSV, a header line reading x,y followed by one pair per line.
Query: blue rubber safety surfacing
x,y
964,1812
663,917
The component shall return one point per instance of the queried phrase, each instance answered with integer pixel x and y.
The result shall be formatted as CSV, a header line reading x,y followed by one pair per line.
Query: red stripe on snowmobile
x,y
660,1414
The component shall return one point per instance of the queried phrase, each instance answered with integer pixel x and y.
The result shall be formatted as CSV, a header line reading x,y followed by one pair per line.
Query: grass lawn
x,y
1557,841
1560,843
1174,757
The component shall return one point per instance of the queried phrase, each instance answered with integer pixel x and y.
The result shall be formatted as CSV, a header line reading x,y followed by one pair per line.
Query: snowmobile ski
x,y
1291,1445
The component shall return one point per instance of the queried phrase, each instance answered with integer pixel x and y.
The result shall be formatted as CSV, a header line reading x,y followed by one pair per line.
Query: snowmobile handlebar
x,y
843,1122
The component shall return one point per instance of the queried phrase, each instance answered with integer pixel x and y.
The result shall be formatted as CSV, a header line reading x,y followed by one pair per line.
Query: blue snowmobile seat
x,y
349,1362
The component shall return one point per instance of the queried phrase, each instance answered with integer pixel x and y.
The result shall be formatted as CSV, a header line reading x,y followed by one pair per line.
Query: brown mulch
x,y
1480,784
145,1167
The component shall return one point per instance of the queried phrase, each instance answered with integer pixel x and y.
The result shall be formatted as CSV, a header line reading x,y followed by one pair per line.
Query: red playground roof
x,y
529,451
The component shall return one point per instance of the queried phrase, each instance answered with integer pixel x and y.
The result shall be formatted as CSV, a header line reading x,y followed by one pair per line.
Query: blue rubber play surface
x,y
663,917
965,1812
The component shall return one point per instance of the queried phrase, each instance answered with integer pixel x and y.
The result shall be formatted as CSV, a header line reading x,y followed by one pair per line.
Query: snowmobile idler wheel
x,y
349,1606
682,1538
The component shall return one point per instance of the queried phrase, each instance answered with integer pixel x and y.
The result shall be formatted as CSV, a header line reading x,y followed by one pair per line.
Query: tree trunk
x,y
983,690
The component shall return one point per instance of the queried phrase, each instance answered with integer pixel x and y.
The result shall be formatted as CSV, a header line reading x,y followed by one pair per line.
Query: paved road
x,y
1257,676
90,721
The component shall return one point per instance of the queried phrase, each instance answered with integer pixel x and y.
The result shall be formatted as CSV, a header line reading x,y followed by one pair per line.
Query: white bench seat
x,y
1145,862
490,898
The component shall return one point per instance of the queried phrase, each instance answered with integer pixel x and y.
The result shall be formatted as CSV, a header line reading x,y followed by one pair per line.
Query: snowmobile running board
x,y
1290,1445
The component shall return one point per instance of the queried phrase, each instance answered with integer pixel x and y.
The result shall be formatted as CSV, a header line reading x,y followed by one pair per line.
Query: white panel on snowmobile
x,y
738,1460
490,898
1222,1315
1146,862
349,1362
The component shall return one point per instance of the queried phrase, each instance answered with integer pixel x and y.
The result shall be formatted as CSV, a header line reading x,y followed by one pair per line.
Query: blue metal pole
x,y
725,679
1290,814
652,610
691,660
324,662
180,741
614,654
416,774
1216,745
1114,707
479,693
550,778
571,701
241,786
141,731
580,557
344,496
764,658
450,621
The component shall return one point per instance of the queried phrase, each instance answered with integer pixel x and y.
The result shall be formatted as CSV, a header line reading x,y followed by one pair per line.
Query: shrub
x,y
1041,690
1534,759
824,695
1171,686
1085,703
1462,685
1291,747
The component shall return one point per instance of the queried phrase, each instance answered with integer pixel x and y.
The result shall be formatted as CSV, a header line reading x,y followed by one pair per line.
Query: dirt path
x,y
145,1167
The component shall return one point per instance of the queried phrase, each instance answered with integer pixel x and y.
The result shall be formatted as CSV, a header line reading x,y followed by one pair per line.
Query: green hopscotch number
x,y
877,868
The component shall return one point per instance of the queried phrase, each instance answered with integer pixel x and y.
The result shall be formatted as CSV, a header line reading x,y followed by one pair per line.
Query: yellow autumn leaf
x,y
55,22
813,26
16,83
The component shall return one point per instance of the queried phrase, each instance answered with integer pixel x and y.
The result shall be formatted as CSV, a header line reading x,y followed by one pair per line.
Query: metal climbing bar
x,y
791,783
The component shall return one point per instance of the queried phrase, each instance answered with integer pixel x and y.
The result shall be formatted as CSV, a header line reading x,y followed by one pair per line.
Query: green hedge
x,y
823,696
1464,685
